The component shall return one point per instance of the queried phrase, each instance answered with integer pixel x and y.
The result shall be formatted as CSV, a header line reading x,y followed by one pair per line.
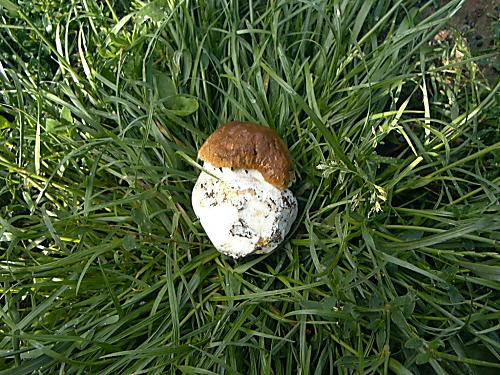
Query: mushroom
x,y
241,197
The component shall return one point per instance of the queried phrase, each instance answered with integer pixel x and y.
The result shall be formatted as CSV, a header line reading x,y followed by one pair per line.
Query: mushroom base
x,y
241,212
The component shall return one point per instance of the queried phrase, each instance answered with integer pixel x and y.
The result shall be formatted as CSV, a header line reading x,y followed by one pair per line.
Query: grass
x,y
393,265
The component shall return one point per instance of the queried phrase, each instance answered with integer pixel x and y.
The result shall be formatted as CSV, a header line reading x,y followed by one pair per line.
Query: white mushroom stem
x,y
241,212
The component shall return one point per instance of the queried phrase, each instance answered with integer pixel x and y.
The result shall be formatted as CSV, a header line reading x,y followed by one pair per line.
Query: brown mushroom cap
x,y
244,145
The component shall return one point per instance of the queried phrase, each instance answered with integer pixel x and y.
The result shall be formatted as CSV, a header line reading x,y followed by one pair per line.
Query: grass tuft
x,y
393,264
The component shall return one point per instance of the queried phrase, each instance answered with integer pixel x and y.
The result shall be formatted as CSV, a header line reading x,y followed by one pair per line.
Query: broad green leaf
x,y
422,358
164,84
155,10
66,116
52,125
129,243
181,105
414,343
4,123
